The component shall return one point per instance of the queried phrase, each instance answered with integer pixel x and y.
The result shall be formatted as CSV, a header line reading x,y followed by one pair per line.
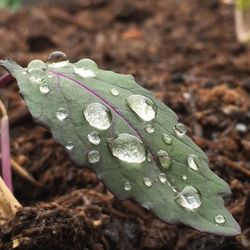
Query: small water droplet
x,y
142,106
163,177
167,138
164,159
24,72
98,116
93,156
94,138
147,182
127,186
36,71
189,198
61,114
128,148
57,59
193,161
114,92
220,219
184,177
149,157
44,88
149,128
85,68
180,129
69,146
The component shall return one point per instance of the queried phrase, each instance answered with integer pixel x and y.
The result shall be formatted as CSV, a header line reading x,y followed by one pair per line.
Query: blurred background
x,y
194,55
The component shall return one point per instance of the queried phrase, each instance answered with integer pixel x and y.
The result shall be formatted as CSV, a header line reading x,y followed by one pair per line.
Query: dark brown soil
x,y
187,54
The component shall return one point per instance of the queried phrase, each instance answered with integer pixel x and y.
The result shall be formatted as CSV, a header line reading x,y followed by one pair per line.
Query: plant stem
x,y
5,79
5,148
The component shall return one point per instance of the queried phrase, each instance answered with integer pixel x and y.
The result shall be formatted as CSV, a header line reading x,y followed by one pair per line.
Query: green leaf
x,y
133,142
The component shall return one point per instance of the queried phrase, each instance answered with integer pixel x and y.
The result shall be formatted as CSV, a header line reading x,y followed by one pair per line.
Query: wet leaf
x,y
133,142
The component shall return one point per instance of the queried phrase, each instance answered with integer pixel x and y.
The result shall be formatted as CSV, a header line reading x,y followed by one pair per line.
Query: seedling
x,y
131,140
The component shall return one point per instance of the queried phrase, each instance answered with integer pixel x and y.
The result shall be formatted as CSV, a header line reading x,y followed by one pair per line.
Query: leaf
x,y
130,139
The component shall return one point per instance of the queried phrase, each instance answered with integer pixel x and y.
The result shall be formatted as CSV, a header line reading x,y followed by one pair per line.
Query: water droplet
x,y
167,138
164,159
142,106
36,71
163,177
57,59
147,182
44,88
180,129
94,138
241,127
69,146
184,177
149,128
193,161
98,116
61,114
114,92
93,156
189,198
127,186
128,148
85,68
220,219
24,72
149,157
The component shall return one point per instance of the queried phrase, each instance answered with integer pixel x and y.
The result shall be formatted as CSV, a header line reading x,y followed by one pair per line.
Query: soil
x,y
187,54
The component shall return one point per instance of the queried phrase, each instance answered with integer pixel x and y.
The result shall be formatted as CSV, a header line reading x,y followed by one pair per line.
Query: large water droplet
x,y
163,177
93,156
180,129
142,106
98,116
85,68
167,138
164,159
94,138
36,71
69,146
127,186
189,198
149,128
220,219
147,181
193,160
128,148
44,88
114,92
57,59
61,114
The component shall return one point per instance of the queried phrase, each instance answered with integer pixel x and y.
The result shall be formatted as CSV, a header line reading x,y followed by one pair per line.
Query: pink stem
x,y
5,79
5,150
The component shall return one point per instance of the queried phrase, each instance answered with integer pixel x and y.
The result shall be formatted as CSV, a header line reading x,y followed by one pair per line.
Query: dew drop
x,y
149,129
57,59
24,72
163,177
128,148
184,177
114,92
180,129
147,182
69,146
193,160
93,156
44,88
149,158
164,159
220,219
36,71
85,68
127,186
167,138
61,114
142,106
94,138
189,198
98,116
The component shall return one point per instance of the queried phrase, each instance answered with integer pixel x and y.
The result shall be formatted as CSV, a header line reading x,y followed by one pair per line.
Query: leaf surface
x,y
110,124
